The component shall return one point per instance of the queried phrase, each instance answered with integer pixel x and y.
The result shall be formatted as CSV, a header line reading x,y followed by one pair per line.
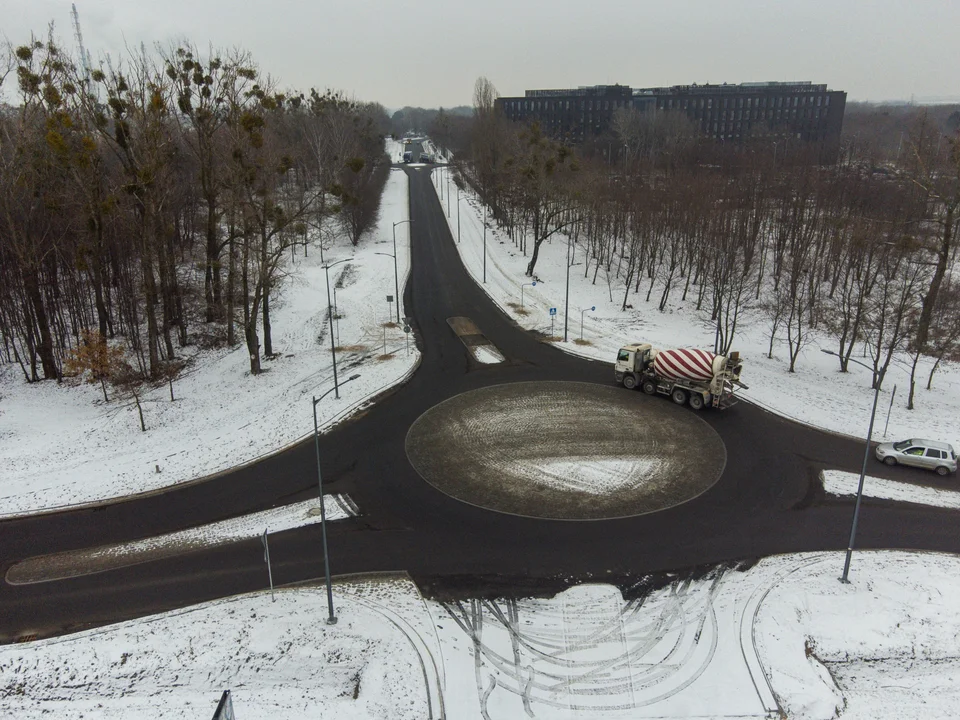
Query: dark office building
x,y
775,111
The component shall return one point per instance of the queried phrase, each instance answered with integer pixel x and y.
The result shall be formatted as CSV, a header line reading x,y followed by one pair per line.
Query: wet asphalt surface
x,y
766,501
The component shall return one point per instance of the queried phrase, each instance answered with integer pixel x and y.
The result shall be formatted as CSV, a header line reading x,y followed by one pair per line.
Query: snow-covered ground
x,y
279,659
817,393
64,446
782,636
884,646
836,482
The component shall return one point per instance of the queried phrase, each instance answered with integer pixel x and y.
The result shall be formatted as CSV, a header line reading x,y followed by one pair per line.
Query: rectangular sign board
x,y
553,311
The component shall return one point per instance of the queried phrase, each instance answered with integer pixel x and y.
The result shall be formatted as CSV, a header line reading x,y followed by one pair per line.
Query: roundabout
x,y
565,451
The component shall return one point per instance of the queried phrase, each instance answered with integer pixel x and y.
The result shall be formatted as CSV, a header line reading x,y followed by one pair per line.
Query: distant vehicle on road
x,y
426,158
408,157
928,454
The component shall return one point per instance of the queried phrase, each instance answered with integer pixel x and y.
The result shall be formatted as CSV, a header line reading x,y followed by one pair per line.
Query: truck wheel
x,y
696,401
890,460
679,396
941,471
649,387
629,382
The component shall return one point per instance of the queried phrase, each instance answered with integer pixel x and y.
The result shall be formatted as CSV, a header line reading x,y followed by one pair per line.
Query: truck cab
x,y
632,359
408,156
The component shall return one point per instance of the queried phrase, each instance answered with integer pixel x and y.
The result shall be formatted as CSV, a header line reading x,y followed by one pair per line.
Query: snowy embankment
x,y
782,636
62,445
883,646
816,394
75,563
844,484
279,659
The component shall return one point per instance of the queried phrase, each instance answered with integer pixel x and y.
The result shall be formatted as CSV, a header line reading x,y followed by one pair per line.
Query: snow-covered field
x,y
784,635
817,393
64,446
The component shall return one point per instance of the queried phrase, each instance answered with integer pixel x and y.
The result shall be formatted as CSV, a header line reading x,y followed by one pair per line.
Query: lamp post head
x,y
328,265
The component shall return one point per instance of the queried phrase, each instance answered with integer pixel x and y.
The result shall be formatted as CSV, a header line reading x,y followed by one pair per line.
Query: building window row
x,y
748,103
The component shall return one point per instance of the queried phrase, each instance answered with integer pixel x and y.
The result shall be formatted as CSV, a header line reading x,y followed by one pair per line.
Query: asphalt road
x,y
765,502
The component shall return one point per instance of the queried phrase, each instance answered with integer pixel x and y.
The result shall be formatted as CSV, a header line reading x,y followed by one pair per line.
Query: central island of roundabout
x,y
565,451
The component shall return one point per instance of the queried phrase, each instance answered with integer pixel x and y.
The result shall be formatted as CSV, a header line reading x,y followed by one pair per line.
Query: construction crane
x,y
84,55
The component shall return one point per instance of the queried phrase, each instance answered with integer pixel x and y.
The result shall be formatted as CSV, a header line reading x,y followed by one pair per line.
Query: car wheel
x,y
696,401
629,382
890,460
649,387
941,471
679,396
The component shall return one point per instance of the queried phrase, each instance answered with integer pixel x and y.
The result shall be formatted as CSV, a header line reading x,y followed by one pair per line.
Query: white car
x,y
930,454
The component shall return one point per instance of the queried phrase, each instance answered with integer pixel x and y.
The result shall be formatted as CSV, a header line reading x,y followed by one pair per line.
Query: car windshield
x,y
902,445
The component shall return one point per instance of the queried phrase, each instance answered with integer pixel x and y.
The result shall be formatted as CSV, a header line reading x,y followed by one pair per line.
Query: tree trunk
x,y
267,339
231,292
212,285
265,281
44,347
150,300
253,345
930,299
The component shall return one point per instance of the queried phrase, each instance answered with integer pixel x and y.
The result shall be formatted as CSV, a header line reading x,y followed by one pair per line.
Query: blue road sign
x,y
553,311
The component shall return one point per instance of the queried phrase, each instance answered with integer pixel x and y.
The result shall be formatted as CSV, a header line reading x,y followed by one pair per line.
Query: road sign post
x,y
553,315
592,308
406,333
522,286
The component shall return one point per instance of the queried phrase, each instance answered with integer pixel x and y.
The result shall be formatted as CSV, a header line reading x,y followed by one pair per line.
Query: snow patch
x,y
844,484
597,475
487,354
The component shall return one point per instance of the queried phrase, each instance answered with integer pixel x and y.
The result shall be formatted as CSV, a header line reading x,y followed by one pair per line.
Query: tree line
x,y
151,204
862,252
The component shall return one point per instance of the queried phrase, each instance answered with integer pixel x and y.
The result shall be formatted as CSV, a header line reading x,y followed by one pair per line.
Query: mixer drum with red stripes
x,y
688,364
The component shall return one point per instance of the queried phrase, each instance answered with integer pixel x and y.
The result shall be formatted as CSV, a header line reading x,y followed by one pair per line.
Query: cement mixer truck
x,y
689,376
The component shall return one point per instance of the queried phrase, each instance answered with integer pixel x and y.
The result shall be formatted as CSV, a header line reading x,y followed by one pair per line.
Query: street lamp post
x,y
333,343
448,190
566,300
396,274
458,215
484,242
585,310
331,618
863,470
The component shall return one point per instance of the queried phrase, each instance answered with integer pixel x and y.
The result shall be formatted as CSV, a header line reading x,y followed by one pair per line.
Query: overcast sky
x,y
430,52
